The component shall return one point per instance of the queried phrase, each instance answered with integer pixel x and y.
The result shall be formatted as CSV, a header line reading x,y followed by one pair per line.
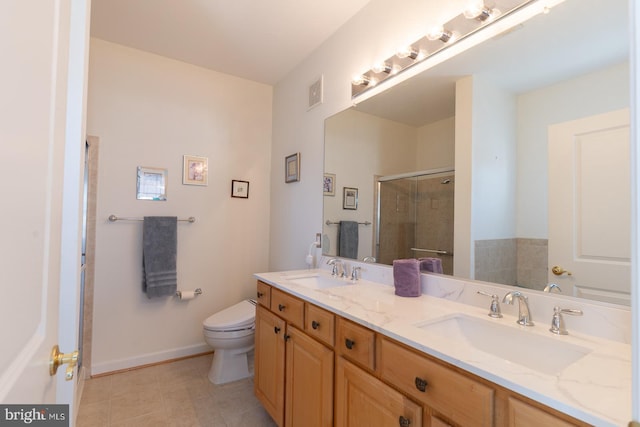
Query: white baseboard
x,y
98,368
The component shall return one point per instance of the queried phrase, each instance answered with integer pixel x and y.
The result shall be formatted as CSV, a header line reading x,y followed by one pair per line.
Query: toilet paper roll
x,y
187,295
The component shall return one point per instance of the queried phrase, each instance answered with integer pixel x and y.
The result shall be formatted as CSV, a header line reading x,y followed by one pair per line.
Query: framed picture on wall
x,y
329,184
292,168
240,189
350,198
195,170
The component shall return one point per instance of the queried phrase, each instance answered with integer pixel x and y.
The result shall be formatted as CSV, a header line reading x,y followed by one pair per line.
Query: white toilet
x,y
230,333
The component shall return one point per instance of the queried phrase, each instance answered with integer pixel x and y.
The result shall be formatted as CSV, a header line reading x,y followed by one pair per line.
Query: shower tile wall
x,y
518,261
397,220
435,220
533,263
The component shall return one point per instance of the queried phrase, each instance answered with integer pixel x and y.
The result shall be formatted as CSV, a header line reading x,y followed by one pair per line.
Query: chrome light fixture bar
x,y
478,15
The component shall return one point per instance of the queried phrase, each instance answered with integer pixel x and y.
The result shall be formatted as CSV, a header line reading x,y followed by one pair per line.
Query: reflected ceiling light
x,y
439,33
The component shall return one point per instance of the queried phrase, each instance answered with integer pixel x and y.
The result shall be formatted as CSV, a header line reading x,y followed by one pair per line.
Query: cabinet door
x,y
269,363
309,384
522,414
364,401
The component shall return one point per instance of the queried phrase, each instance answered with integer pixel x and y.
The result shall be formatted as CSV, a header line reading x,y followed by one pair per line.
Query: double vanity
x,y
334,351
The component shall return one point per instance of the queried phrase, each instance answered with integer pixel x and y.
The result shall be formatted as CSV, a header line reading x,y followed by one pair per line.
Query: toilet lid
x,y
239,316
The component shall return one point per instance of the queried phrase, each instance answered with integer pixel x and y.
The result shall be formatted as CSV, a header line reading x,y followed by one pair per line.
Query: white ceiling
x,y
253,39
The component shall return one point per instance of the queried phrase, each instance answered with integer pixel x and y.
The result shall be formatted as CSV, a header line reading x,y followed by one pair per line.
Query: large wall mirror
x,y
508,162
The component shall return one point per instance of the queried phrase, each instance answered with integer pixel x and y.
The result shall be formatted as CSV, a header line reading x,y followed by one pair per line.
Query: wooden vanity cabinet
x,y
269,363
362,400
314,368
294,371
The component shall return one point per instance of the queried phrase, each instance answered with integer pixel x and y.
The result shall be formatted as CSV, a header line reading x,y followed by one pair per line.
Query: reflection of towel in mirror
x,y
406,277
432,265
348,239
159,254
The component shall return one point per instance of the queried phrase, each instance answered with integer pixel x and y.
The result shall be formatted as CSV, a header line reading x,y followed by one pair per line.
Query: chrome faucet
x,y
524,315
335,266
557,322
354,273
552,287
494,309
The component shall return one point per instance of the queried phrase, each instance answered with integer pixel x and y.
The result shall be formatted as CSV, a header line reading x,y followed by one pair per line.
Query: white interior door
x,y
589,207
44,51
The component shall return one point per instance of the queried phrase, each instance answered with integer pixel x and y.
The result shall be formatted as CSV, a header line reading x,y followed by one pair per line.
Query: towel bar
x,y
114,218
338,222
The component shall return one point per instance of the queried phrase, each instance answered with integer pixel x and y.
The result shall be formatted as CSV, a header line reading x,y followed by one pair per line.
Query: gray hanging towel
x,y
348,239
159,255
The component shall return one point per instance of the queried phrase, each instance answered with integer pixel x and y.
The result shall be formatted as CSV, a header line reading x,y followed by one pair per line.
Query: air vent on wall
x,y
315,93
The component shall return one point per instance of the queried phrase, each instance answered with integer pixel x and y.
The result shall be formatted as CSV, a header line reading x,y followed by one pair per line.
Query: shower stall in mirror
x,y
414,217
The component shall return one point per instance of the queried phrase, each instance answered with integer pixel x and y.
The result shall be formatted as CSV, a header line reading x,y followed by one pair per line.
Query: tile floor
x,y
176,394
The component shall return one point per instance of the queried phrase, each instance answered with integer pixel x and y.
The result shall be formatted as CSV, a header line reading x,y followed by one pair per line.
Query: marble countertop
x,y
595,389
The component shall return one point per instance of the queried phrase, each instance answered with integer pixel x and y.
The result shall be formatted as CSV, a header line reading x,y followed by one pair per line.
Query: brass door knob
x,y
559,271
58,359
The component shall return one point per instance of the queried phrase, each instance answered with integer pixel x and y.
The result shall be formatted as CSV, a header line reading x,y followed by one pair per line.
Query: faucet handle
x,y
354,273
557,322
494,309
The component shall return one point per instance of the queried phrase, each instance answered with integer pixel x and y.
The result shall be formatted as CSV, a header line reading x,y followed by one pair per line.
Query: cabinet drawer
x,y
457,397
356,343
320,324
263,295
288,307
522,414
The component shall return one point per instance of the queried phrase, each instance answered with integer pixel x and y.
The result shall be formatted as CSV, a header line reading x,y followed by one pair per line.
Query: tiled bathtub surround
x,y
517,262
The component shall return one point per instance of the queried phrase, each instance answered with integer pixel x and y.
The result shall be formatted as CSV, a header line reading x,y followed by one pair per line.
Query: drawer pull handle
x,y
421,384
315,325
281,307
260,294
276,329
349,343
404,422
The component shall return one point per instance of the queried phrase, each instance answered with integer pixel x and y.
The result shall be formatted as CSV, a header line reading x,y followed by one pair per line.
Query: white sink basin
x,y
318,281
548,355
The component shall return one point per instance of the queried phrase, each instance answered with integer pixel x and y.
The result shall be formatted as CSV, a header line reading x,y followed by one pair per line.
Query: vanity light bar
x,y
438,39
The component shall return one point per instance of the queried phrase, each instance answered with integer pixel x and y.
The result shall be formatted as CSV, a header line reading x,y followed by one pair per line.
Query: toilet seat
x,y
238,317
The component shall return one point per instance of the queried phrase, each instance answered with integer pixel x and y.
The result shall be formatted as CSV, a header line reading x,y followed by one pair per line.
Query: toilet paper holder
x,y
197,291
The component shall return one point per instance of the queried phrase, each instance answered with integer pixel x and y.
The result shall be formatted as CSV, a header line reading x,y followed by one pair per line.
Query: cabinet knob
x,y
286,337
315,325
349,343
260,294
404,422
281,307
421,384
276,329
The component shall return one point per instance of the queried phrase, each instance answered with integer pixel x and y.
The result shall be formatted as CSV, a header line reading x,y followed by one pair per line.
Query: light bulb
x,y
474,9
382,67
360,80
439,33
407,52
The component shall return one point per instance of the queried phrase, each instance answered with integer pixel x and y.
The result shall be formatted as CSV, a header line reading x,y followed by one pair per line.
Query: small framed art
x,y
151,184
349,198
292,168
240,189
195,170
329,184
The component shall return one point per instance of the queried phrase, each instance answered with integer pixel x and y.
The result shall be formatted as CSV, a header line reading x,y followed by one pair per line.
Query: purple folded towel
x,y
432,265
406,277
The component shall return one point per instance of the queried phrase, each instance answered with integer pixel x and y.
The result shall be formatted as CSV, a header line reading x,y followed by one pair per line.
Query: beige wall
x,y
150,111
